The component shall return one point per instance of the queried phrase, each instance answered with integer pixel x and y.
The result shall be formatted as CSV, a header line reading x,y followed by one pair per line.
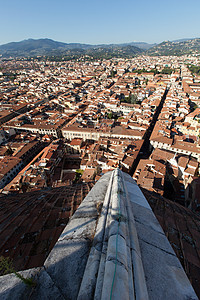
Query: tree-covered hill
x,y
49,47
181,47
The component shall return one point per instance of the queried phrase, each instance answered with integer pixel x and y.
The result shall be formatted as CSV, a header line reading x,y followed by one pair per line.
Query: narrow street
x,y
145,150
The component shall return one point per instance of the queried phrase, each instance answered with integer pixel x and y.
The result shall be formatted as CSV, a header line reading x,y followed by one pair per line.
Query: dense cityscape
x,y
64,124
100,150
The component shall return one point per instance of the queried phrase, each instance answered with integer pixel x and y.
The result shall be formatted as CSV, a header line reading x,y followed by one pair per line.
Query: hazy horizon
x,y
43,38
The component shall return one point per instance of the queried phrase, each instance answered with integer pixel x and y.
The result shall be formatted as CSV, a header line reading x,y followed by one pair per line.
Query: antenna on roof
x,y
119,164
175,155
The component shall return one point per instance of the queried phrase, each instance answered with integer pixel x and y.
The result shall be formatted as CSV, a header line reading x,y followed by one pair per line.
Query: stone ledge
x,y
83,262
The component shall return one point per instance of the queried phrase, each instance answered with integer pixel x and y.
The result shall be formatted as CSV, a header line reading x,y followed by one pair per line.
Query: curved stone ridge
x,y
115,250
112,248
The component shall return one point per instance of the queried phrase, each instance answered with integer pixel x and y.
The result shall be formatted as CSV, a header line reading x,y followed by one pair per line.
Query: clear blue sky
x,y
95,22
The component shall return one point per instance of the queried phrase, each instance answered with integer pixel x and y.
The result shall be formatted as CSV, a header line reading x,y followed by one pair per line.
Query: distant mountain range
x,y
48,47
179,47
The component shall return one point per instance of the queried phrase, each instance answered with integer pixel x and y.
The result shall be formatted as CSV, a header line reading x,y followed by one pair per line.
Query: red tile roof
x,y
31,223
182,228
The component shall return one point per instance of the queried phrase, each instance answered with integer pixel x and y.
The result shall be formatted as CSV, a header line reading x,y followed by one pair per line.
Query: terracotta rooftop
x,y
31,223
8,163
182,228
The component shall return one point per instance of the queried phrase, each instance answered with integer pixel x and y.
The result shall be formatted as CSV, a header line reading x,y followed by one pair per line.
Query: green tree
x,y
113,73
133,98
110,115
194,69
167,70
